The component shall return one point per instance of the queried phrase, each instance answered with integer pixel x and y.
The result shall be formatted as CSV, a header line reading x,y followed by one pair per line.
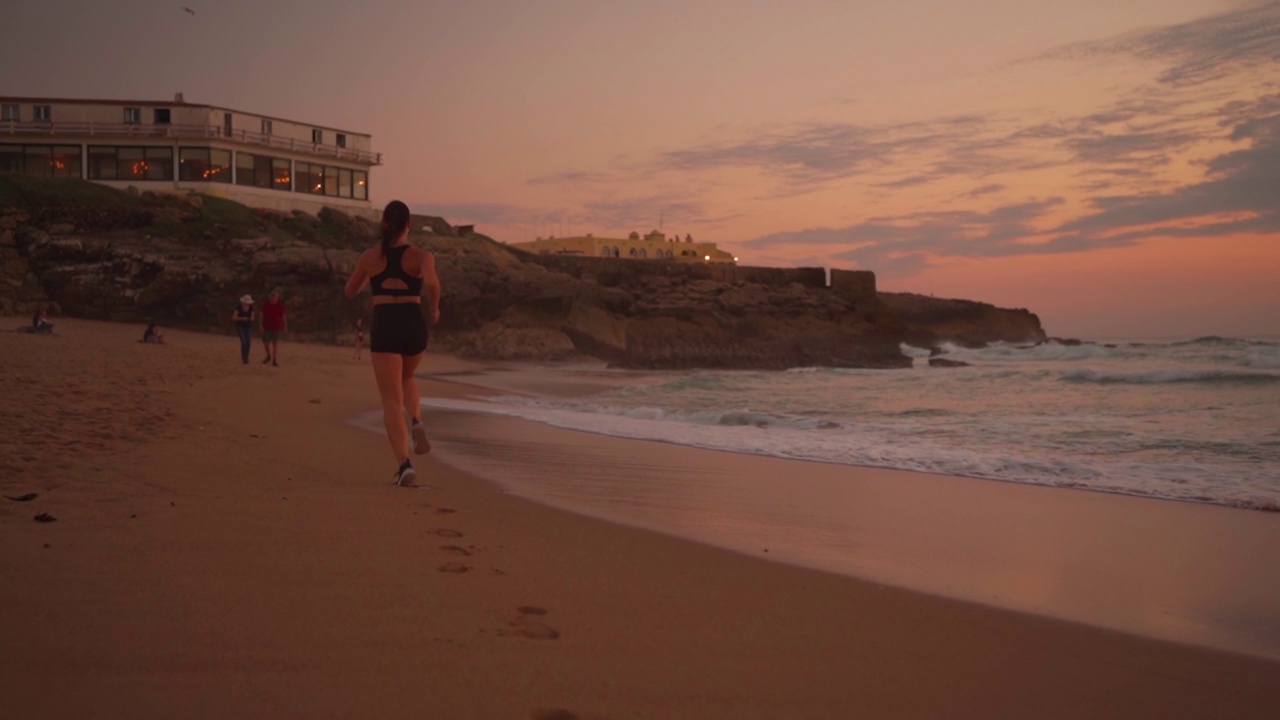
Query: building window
x,y
308,178
41,113
643,253
41,160
317,136
341,139
281,176
11,159
161,116
266,127
132,116
10,112
108,162
204,165
262,171
331,181
344,182
362,185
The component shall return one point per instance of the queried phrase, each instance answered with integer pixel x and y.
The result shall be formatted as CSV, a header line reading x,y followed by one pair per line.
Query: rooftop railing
x,y
186,132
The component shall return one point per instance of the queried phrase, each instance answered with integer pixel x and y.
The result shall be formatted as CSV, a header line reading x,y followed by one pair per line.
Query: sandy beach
x,y
228,544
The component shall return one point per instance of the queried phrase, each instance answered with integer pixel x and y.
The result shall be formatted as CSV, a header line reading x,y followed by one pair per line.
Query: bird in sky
x,y
184,7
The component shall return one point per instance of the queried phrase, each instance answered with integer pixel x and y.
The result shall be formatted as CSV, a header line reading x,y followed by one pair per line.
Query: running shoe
x,y
406,475
421,445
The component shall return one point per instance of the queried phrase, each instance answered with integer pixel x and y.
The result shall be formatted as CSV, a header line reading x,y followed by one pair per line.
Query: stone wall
x,y
612,272
854,284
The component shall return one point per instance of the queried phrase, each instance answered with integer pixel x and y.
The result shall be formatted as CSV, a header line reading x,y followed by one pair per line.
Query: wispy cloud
x,y
1238,195
493,213
814,152
1201,50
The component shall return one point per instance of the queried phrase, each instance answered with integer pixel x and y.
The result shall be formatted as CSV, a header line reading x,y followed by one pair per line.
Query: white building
x,y
257,160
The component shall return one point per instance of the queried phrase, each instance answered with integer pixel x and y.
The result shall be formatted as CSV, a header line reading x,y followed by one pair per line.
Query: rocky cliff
x,y
932,321
182,260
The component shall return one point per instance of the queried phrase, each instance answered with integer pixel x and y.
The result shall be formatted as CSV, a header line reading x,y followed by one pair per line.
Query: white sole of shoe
x,y
406,478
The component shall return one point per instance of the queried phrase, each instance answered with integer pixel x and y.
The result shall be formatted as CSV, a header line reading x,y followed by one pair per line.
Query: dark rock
x,y
944,362
184,263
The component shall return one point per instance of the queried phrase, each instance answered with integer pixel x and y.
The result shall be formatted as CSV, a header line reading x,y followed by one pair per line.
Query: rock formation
x,y
183,260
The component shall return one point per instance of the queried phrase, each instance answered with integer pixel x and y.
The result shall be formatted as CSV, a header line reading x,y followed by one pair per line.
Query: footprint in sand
x,y
455,568
446,511
552,714
455,550
527,624
446,532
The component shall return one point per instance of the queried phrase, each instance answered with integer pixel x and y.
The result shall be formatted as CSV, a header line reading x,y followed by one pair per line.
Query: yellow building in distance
x,y
654,246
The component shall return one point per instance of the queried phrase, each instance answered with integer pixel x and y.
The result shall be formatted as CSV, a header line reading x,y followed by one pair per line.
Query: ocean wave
x,y
1047,351
1262,357
737,417
1215,340
878,446
1160,377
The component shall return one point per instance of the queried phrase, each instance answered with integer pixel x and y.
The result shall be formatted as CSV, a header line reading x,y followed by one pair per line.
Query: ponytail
x,y
395,220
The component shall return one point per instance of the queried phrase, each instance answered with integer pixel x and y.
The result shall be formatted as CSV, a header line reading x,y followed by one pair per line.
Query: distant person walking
x,y
274,322
243,317
359,336
396,273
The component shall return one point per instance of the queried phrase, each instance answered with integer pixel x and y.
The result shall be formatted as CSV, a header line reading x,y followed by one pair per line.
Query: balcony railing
x,y
186,132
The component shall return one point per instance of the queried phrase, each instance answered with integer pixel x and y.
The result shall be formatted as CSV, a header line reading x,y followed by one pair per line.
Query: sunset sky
x,y
1112,165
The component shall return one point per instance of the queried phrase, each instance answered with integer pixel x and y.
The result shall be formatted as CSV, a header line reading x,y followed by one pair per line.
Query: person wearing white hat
x,y
242,316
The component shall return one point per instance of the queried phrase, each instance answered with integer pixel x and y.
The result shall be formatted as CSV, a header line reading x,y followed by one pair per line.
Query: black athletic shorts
x,y
398,328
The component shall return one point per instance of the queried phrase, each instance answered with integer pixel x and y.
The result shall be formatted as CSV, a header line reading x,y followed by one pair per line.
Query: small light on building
x,y
735,258
706,257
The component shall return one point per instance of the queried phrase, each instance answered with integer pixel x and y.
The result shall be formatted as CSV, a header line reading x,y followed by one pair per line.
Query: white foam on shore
x,y
869,445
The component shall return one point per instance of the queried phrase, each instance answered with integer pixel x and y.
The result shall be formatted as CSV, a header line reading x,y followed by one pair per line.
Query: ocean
x,y
1195,420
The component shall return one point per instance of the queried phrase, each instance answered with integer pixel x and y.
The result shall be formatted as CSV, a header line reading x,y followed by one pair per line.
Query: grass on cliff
x,y
23,192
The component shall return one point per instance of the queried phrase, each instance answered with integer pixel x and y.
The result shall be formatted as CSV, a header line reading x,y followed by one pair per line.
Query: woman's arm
x,y
432,282
358,278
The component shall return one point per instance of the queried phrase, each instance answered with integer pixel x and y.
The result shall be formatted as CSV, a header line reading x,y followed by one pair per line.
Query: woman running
x,y
396,273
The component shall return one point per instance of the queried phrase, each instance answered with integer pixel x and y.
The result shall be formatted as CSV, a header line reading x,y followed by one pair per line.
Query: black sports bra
x,y
394,270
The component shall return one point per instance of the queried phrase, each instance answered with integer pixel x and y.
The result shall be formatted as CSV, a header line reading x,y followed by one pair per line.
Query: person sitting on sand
x,y
153,335
359,336
40,322
396,273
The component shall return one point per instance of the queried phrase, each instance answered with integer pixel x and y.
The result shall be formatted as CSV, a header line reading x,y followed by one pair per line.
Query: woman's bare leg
x,y
412,400
413,405
387,369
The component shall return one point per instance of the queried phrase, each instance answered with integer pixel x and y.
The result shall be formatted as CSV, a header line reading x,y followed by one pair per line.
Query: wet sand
x,y
226,544
1187,572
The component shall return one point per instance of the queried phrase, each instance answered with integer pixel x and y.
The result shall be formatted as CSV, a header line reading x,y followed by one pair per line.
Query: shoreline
x,y
227,545
942,553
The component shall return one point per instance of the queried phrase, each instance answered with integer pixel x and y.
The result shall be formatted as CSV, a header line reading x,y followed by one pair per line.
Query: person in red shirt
x,y
274,322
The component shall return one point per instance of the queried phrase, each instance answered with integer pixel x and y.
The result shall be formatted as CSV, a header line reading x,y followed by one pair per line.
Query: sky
x,y
1111,165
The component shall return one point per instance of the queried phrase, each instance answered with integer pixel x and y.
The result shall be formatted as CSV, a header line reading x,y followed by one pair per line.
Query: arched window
x,y
606,252
632,252
643,254
615,251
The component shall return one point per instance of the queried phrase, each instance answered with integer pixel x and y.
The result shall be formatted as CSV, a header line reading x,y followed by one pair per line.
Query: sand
x,y
228,545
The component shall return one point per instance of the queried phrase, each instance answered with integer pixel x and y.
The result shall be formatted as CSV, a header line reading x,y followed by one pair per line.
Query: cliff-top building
x,y
654,246
257,160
